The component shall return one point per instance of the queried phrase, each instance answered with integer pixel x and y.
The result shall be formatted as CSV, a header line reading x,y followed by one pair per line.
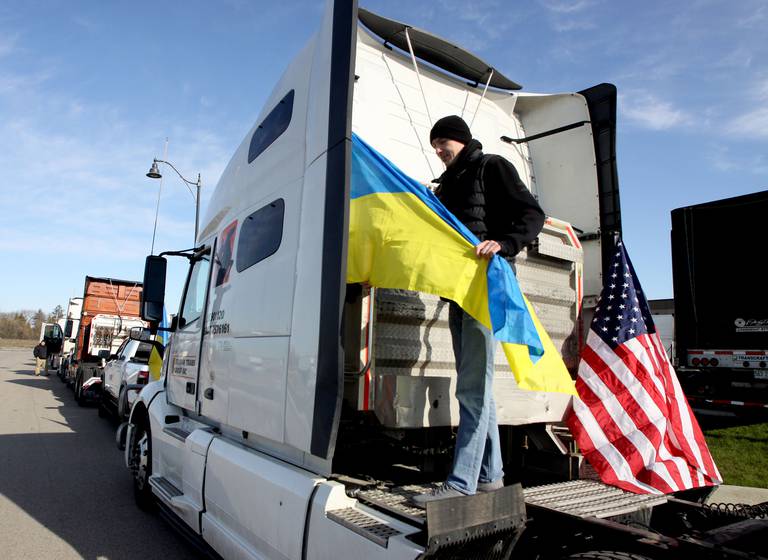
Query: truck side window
x,y
270,129
260,234
194,298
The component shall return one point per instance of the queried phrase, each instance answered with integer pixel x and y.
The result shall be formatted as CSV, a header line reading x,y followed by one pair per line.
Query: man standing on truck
x,y
486,194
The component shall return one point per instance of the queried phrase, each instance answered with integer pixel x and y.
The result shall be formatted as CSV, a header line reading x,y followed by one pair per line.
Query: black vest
x,y
461,189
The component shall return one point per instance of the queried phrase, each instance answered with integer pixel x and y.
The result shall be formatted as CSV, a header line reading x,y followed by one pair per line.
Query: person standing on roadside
x,y
41,358
486,194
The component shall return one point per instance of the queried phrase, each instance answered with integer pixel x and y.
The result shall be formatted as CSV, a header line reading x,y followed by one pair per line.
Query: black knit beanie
x,y
453,128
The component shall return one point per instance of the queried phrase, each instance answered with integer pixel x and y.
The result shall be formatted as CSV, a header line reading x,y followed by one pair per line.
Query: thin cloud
x,y
79,168
85,23
740,57
8,44
757,18
573,25
567,6
753,123
649,111
569,15
723,159
20,83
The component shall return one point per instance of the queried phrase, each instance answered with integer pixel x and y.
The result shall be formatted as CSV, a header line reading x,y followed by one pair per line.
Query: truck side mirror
x,y
153,294
140,333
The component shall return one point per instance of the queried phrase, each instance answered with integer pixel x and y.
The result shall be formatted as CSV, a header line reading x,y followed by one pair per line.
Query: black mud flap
x,y
483,526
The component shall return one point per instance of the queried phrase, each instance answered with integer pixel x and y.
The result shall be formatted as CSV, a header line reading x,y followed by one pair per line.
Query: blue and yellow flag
x,y
401,236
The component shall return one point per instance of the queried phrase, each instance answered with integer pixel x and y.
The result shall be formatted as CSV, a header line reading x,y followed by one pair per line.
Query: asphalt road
x,y
64,490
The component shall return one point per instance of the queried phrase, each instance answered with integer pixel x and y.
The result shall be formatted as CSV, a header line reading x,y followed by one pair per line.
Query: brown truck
x,y
110,310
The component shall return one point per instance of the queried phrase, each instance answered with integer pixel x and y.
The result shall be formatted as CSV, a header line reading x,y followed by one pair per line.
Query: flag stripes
x,y
631,418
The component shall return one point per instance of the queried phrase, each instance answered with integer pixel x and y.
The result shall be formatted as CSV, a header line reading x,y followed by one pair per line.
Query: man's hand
x,y
486,249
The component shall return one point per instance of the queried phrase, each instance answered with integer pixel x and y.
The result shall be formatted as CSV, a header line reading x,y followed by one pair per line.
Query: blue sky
x,y
89,91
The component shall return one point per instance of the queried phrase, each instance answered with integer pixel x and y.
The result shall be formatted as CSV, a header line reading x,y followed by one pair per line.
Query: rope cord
x,y
410,118
418,75
481,99
114,292
464,107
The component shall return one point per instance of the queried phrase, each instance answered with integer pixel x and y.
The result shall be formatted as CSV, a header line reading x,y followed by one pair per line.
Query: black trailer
x,y
721,308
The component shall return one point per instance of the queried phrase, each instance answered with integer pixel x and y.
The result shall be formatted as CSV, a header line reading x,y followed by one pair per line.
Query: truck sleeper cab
x,y
288,397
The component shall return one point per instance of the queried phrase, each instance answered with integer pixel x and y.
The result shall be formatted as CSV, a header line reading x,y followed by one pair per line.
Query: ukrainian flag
x,y
401,236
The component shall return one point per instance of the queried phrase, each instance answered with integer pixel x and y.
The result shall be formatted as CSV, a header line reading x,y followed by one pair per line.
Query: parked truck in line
x,y
109,310
296,414
71,325
721,312
53,336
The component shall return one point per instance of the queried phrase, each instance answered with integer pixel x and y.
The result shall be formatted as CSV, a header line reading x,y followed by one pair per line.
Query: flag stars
x,y
624,295
605,329
611,296
614,275
634,319
619,317
615,339
622,306
631,331
613,286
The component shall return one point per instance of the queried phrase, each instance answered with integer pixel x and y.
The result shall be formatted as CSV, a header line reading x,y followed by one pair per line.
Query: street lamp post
x,y
154,173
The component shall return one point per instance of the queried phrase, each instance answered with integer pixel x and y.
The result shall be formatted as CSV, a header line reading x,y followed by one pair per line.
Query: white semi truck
x,y
296,414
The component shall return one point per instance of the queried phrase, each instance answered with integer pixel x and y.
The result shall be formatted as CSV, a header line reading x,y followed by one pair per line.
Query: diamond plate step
x,y
587,498
364,525
397,500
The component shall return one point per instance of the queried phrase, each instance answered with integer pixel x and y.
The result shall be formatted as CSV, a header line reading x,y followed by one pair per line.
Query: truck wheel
x,y
79,389
606,555
122,404
140,459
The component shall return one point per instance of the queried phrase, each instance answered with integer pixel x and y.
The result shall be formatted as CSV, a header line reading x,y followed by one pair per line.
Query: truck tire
x,y
122,405
79,388
606,555
140,459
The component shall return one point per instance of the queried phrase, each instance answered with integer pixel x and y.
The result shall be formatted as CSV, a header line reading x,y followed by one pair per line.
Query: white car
x,y
124,373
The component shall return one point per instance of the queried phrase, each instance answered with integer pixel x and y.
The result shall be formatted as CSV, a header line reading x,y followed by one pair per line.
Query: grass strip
x,y
741,453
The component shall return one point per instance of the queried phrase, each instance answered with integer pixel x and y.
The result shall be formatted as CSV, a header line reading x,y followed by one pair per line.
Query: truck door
x,y
217,348
113,368
184,360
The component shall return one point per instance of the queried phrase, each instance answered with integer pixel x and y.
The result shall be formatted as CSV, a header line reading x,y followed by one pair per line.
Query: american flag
x,y
631,419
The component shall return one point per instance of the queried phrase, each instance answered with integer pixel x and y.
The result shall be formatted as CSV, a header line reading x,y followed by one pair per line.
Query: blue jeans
x,y
477,456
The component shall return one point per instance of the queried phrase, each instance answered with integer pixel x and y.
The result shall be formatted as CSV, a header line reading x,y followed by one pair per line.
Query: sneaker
x,y
440,493
483,487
